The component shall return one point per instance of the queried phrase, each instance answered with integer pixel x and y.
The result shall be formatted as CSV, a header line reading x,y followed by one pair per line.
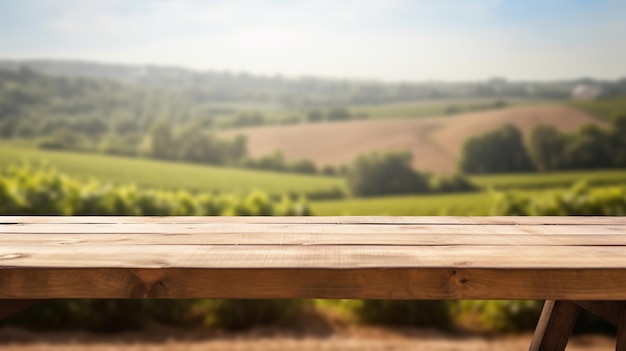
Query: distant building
x,y
586,92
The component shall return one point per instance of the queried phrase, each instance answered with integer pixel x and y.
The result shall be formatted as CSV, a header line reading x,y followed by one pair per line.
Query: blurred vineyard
x,y
25,190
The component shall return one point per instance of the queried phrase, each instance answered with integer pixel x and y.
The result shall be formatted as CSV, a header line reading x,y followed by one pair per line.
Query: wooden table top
x,y
314,257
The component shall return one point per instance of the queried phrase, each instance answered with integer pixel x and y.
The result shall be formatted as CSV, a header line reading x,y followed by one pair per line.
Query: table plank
x,y
319,239
303,228
366,283
329,257
487,220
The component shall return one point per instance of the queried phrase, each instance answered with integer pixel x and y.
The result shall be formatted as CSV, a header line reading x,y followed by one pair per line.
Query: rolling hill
x,y
169,175
435,142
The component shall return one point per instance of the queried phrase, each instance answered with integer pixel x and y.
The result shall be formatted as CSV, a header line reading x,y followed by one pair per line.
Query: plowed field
x,y
435,142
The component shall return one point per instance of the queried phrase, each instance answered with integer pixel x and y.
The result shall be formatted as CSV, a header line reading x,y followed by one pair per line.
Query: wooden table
x,y
571,262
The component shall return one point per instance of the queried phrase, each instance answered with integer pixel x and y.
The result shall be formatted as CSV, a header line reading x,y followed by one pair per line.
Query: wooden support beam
x,y
555,326
613,312
621,330
610,311
11,307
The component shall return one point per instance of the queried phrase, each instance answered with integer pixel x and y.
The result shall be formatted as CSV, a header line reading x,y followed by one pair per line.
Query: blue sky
x,y
369,39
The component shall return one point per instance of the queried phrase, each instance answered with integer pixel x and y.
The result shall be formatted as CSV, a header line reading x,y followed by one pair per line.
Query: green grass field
x,y
171,175
604,109
550,180
477,204
464,204
432,108
167,175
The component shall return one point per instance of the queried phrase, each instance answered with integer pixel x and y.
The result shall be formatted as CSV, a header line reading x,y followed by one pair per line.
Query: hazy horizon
x,y
396,40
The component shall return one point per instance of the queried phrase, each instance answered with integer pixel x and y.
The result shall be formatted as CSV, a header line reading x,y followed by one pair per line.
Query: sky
x,y
408,40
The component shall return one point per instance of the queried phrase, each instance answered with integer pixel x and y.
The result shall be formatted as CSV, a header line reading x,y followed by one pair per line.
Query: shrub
x,y
500,315
515,316
384,174
433,313
243,314
326,194
501,150
450,183
578,200
62,139
105,315
329,170
302,166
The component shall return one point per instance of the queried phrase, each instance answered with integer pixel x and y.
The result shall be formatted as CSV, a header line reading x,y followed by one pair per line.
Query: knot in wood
x,y
12,256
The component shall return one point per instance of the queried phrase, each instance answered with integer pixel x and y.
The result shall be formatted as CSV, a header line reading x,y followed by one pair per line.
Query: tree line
x,y
504,150
303,92
100,116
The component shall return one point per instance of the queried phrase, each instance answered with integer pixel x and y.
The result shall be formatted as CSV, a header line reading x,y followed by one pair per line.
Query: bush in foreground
x,y
25,190
427,313
579,200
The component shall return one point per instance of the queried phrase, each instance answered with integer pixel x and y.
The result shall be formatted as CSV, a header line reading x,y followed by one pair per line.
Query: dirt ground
x,y
352,338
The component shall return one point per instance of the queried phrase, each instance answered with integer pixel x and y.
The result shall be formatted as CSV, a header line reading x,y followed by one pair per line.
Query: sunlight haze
x,y
372,39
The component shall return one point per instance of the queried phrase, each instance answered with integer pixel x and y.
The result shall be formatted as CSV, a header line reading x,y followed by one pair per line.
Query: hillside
x,y
168,175
174,114
606,108
435,142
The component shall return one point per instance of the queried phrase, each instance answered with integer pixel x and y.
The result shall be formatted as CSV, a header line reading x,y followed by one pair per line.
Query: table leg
x,y
555,326
621,333
558,318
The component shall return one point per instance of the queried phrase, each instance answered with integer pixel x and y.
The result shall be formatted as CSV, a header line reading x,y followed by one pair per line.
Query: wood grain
x,y
313,239
366,283
330,257
300,228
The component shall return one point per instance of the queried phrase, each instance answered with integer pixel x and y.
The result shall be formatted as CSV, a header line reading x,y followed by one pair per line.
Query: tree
x,y
547,146
589,148
382,174
303,166
330,170
274,161
501,150
238,149
161,140
116,144
618,141
61,139
195,146
314,116
338,114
